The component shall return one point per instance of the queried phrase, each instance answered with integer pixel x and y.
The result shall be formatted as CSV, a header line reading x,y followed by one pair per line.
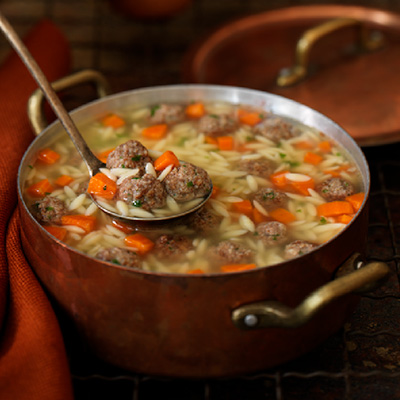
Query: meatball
x,y
270,198
298,248
146,192
204,221
50,209
172,247
167,114
230,252
187,182
275,129
131,154
217,125
272,233
335,189
120,256
263,168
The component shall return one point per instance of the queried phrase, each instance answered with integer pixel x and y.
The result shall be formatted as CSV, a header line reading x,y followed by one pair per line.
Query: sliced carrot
x,y
126,228
279,179
258,217
356,200
312,158
334,208
225,142
140,243
282,215
215,191
166,159
104,154
86,222
155,131
195,110
40,189
336,172
249,117
344,218
210,140
304,145
325,146
302,187
237,267
48,156
196,271
101,185
113,120
56,231
243,207
64,180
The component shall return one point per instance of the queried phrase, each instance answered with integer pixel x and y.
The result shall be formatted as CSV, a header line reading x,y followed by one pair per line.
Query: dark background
x,y
362,361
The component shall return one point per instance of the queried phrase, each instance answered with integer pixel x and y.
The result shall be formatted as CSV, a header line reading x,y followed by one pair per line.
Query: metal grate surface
x,y
362,361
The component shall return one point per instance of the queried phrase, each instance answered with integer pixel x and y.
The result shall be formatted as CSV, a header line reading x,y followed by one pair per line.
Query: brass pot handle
x,y
368,40
35,110
273,314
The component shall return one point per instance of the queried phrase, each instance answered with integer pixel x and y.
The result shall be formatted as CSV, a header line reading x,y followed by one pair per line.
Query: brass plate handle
x,y
35,110
272,314
368,40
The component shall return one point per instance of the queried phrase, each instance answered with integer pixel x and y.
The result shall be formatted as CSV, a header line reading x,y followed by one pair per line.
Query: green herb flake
x,y
136,158
105,187
137,203
49,208
115,261
30,166
282,155
190,184
323,221
154,109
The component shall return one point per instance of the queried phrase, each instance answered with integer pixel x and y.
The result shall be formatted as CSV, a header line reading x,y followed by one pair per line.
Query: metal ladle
x,y
92,162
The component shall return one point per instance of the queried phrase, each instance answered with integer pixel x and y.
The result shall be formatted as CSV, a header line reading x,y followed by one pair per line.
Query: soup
x,y
280,189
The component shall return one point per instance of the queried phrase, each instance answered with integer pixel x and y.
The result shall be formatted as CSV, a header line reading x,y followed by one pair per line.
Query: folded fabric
x,y
33,360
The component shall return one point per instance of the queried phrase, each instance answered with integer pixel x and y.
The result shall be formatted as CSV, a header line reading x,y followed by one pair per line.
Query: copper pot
x,y
203,325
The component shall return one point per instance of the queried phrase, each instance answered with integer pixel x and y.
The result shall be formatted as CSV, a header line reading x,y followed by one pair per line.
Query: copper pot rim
x,y
164,275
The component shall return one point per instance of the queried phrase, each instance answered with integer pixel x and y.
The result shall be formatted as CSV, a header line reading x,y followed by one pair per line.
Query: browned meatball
x,y
172,247
272,233
217,125
275,129
204,221
131,154
120,256
263,168
187,182
230,252
146,192
298,248
335,189
167,114
270,198
50,209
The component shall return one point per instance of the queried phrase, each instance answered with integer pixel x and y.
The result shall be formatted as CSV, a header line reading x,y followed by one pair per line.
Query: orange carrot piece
x,y
337,171
325,146
249,117
356,200
210,140
258,217
196,271
225,142
166,159
101,185
334,208
195,110
279,179
104,154
282,215
113,120
86,222
237,267
215,191
58,232
48,156
155,131
40,189
243,207
312,158
140,243
303,186
344,218
63,180
304,145
126,228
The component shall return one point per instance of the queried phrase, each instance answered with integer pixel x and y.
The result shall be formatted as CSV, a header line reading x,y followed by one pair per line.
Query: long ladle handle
x,y
90,159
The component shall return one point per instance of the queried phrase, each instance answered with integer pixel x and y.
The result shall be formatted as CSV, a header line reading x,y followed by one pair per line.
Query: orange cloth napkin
x,y
33,360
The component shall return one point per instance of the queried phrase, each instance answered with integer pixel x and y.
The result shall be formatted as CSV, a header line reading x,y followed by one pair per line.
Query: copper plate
x,y
360,90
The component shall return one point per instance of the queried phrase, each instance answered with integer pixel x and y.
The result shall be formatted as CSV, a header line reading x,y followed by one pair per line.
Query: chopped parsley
x,y
282,155
115,261
30,166
136,158
190,184
105,187
137,203
323,221
154,109
49,208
